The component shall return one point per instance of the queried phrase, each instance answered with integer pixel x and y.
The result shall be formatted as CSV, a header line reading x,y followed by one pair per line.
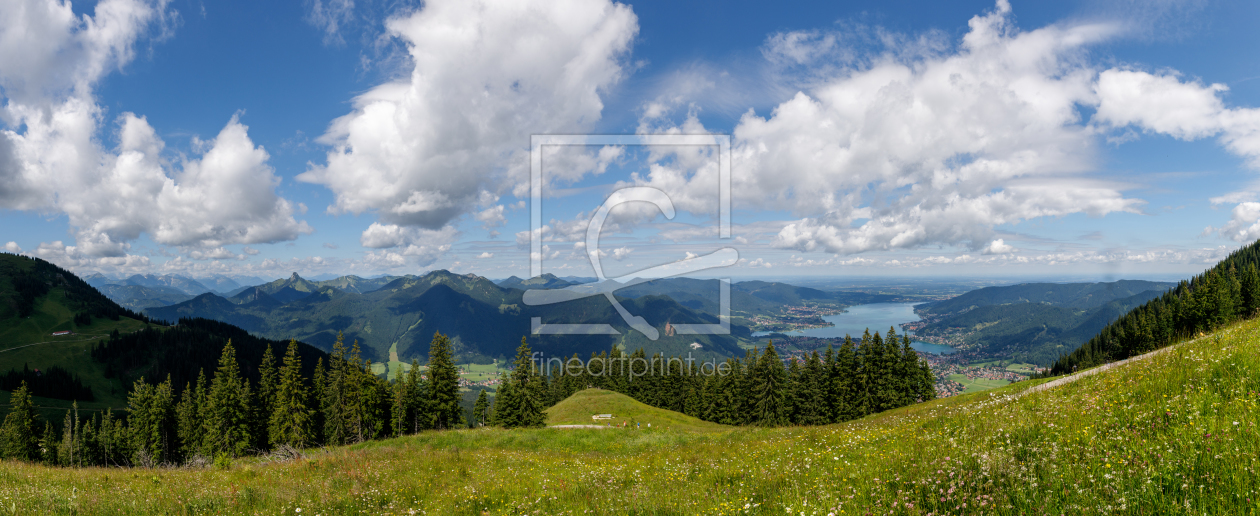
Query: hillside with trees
x,y
1032,322
1227,292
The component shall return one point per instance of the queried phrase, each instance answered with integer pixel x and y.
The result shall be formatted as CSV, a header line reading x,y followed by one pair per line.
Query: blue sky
x,y
1109,139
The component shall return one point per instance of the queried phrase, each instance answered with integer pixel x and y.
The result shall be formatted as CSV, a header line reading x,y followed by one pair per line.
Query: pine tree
x,y
399,416
849,401
520,403
18,433
68,450
481,409
353,398
48,444
769,389
191,427
264,398
506,411
226,411
418,399
333,404
291,417
811,398
794,393
152,422
317,401
443,384
376,403
1250,290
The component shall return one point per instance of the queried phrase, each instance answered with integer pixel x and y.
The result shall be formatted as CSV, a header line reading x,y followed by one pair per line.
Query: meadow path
x,y
1077,376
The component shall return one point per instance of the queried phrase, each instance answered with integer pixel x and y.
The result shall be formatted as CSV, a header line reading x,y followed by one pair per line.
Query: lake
x,y
876,316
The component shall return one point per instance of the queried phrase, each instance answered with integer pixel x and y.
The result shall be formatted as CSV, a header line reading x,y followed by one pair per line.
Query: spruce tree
x,y
317,401
291,417
418,399
481,409
769,386
333,404
264,398
353,399
506,412
20,425
226,412
1250,285
811,399
151,419
191,426
794,395
850,393
443,384
399,416
521,404
48,444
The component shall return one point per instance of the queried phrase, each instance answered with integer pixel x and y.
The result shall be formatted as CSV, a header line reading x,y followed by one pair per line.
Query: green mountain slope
x,y
1227,292
1034,322
110,347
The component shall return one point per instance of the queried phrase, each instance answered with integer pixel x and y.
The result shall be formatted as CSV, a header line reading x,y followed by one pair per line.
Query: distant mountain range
x,y
396,317
142,291
1034,322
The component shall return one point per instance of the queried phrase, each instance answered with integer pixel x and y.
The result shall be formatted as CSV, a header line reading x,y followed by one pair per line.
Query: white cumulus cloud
x,y
485,74
52,159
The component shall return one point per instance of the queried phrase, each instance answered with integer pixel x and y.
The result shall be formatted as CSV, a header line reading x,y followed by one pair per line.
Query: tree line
x,y
223,414
54,382
1227,292
858,378
32,278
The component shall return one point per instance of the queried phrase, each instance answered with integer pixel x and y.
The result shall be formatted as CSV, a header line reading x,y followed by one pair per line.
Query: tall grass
x,y
1174,434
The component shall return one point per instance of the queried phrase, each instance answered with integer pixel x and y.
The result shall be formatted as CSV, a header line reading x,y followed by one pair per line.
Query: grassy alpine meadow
x,y
1172,434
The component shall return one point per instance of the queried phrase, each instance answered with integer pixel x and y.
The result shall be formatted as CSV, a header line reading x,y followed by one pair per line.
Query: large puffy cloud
x,y
927,146
1188,110
111,196
486,74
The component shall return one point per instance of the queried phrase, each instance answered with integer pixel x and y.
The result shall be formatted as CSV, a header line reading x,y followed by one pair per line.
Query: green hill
x,y
578,409
1174,433
37,299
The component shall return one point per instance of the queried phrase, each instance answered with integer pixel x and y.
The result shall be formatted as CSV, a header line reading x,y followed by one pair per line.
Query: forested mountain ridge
x,y
1069,295
37,298
547,280
1227,292
1031,322
483,319
25,280
1036,332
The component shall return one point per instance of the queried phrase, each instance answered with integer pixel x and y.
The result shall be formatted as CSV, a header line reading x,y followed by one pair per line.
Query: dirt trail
x,y
1077,376
87,337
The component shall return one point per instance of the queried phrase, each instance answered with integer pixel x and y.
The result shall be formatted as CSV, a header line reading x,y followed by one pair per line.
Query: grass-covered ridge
x,y
1172,434
578,409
